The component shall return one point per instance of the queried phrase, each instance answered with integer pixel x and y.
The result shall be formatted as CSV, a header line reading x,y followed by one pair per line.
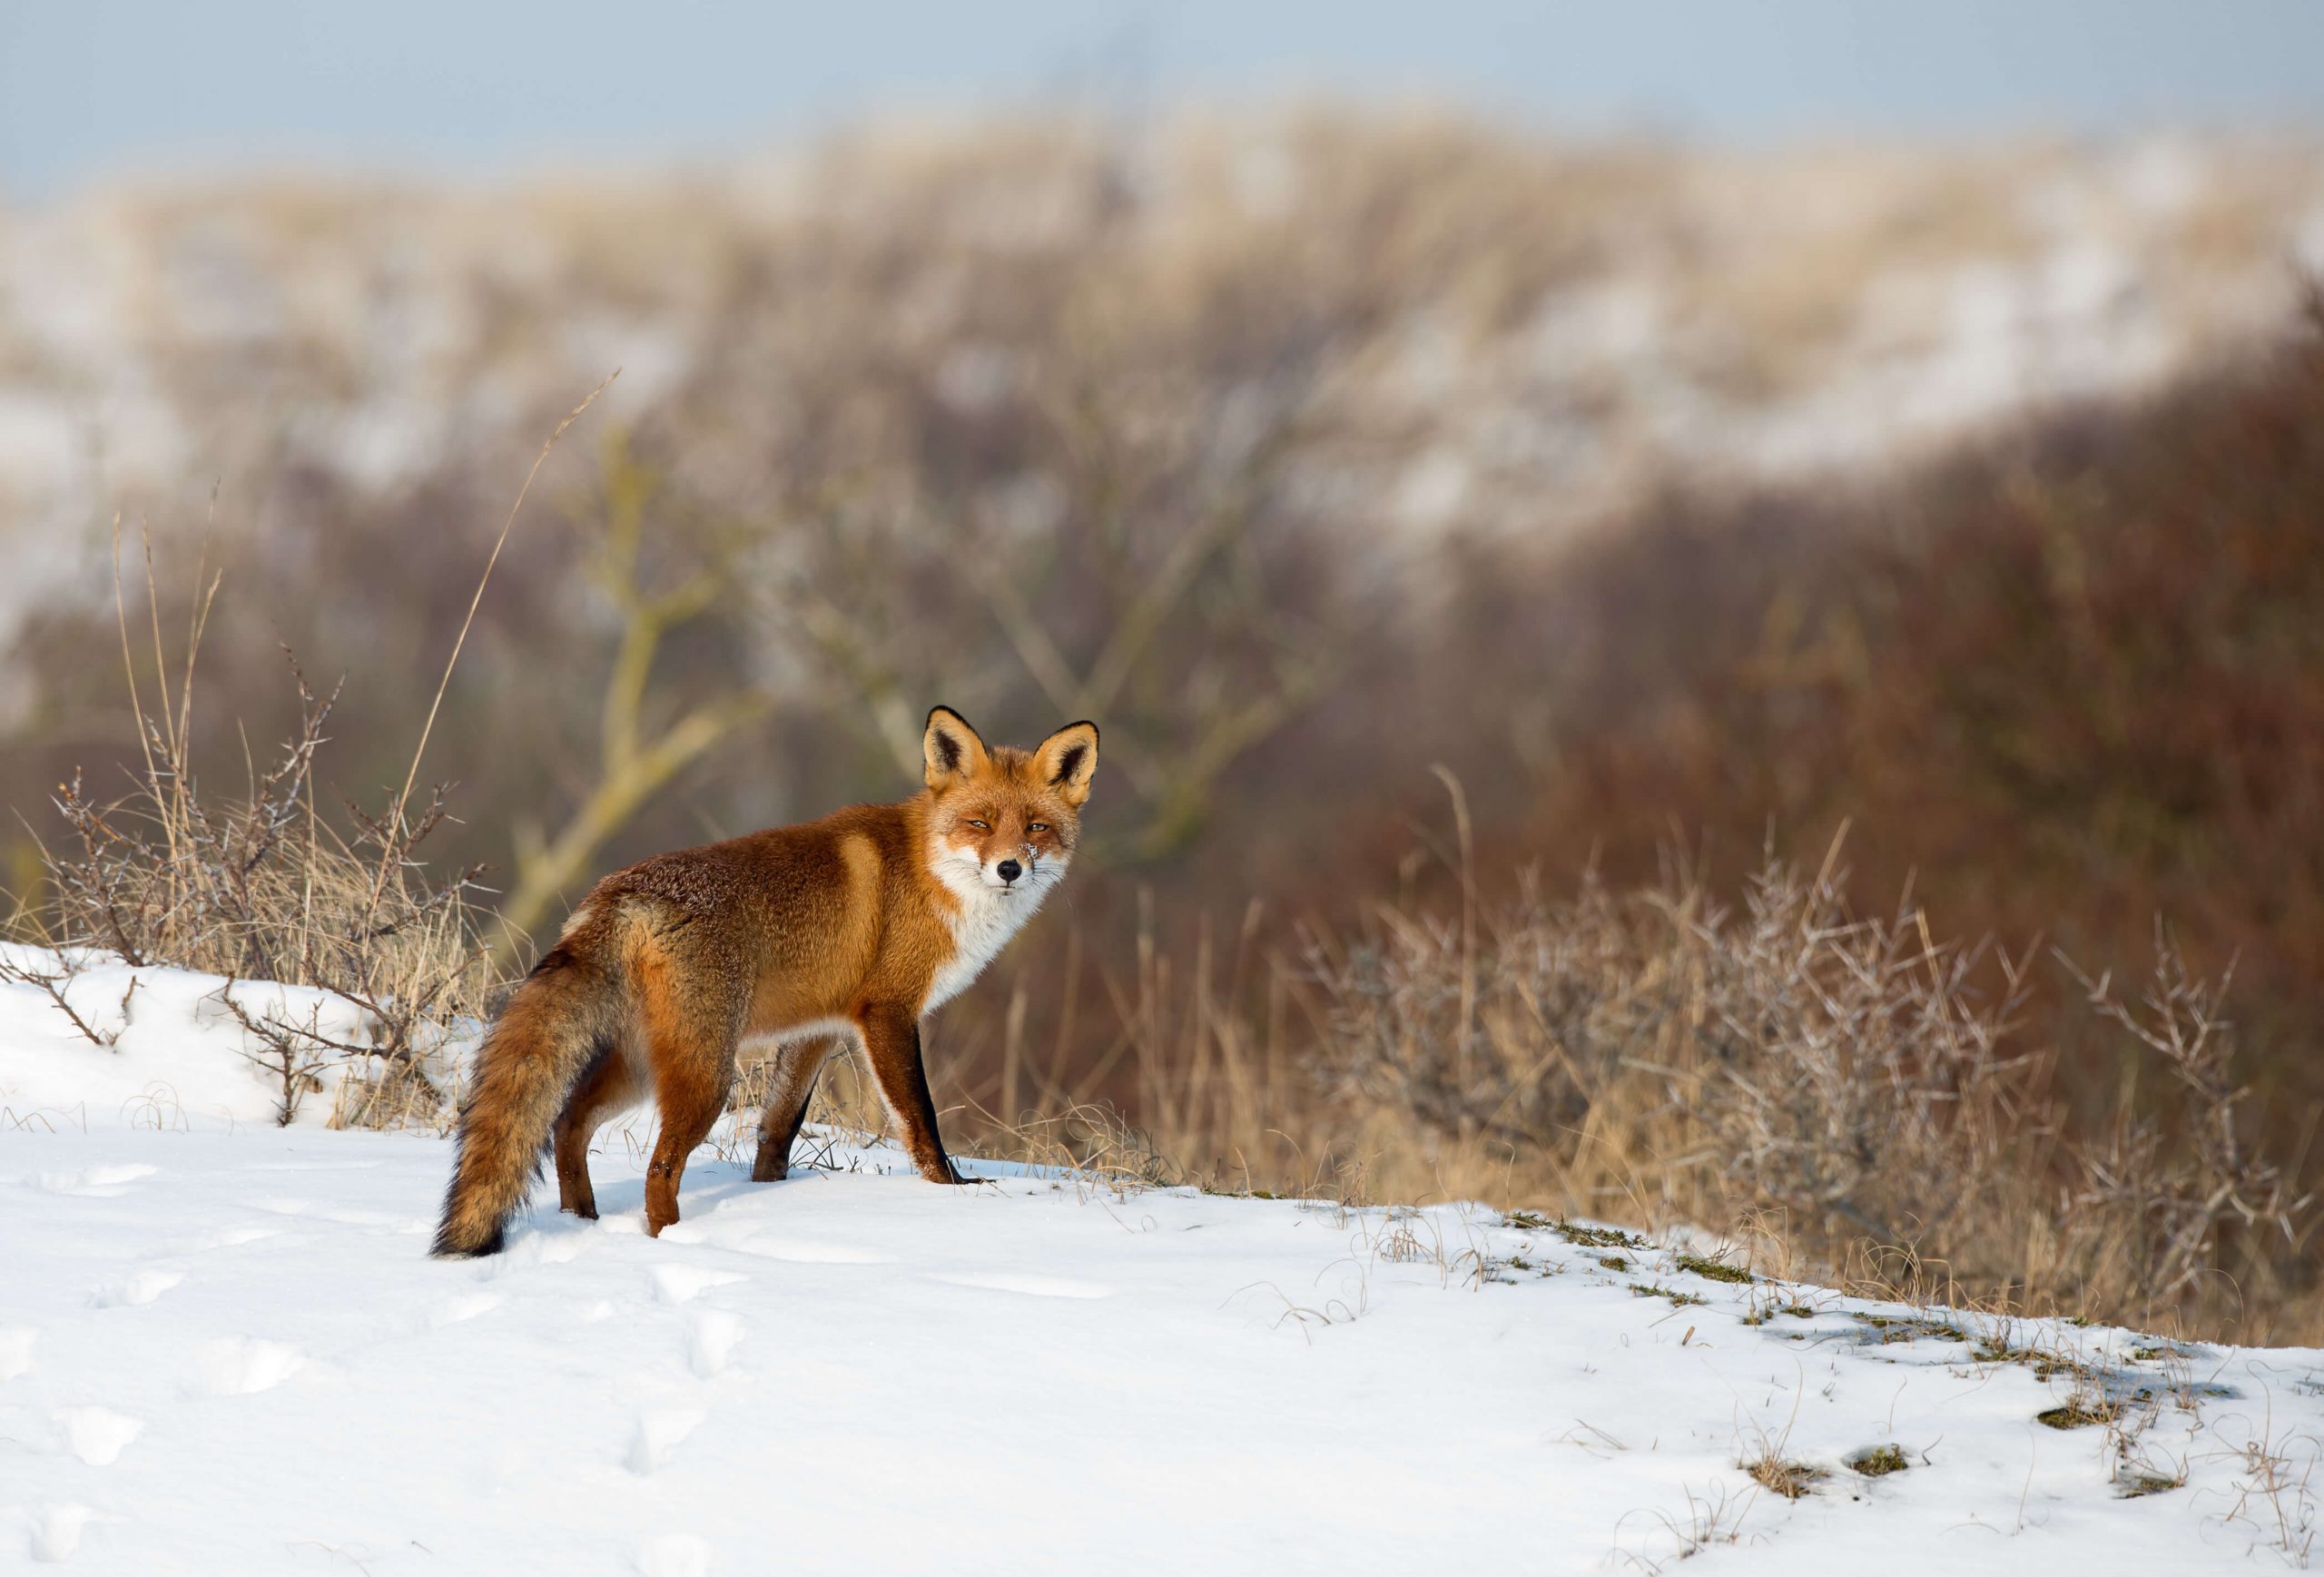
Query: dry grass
x,y
1091,1143
260,887
1879,1460
1848,1097
2275,1488
2271,1497
1788,1479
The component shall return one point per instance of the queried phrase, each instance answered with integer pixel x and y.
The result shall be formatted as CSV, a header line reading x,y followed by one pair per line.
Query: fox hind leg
x,y
796,1067
691,1041
609,1085
688,1111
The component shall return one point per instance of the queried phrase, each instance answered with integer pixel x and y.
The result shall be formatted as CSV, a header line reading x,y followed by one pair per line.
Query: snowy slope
x,y
222,1349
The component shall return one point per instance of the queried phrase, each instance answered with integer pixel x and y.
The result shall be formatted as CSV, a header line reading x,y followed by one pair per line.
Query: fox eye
x,y
1036,826
979,827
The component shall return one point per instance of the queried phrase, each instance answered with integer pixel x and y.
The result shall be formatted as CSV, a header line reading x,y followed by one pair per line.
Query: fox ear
x,y
1068,760
951,749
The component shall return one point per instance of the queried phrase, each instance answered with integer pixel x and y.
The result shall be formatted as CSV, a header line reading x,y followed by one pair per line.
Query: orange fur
x,y
806,937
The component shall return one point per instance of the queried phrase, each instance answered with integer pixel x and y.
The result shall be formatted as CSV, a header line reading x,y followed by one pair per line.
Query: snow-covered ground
x,y
223,1349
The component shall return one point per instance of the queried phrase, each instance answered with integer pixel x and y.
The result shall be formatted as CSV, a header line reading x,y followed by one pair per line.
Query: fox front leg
x,y
892,1045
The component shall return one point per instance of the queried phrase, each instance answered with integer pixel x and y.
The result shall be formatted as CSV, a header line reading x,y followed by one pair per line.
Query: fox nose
x,y
1010,869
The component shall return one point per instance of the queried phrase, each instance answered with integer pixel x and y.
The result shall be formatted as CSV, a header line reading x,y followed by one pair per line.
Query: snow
x,y
223,1348
178,1051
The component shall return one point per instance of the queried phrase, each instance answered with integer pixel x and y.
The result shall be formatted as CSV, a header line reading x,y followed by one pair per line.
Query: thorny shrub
x,y
259,888
1868,1086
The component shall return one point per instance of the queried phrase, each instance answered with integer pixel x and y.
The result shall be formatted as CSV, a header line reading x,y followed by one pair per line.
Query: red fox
x,y
798,940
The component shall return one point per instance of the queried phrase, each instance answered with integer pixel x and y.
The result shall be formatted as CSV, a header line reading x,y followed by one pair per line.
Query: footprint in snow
x,y
806,1251
716,1334
228,1237
675,1555
1029,1286
98,1434
247,1365
554,1244
282,1205
17,1350
97,1182
56,1531
658,1434
680,1282
407,1225
458,1309
141,1287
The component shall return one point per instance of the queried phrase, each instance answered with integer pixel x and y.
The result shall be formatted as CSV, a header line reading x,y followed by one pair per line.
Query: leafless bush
x,y
294,1054
1846,1087
1832,1064
2178,1199
259,888
55,982
1841,1064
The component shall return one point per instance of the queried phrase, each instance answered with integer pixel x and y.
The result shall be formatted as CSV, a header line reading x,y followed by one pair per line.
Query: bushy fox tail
x,y
563,1018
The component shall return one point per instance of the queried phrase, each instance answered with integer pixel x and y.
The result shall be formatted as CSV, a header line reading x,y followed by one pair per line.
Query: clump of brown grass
x,y
1788,1479
1879,1460
2077,1413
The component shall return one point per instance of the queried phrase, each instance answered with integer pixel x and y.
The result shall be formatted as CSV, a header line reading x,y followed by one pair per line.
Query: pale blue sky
x,y
95,87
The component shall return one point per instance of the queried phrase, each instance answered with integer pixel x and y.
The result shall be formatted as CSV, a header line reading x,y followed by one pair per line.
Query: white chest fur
x,y
981,926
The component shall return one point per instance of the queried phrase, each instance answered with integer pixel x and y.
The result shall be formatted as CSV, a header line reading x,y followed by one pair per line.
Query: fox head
x,y
1003,820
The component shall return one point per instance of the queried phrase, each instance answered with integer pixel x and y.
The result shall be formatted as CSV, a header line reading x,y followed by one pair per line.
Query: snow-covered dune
x,y
1532,334
223,1349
